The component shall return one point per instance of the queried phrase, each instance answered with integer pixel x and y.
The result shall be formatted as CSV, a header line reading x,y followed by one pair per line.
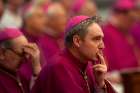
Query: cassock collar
x,y
82,66
15,77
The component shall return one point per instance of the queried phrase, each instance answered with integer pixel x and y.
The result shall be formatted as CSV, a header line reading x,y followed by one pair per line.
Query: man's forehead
x,y
95,30
32,11
19,41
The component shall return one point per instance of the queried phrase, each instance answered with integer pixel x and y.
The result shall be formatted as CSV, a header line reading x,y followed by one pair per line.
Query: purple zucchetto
x,y
75,21
9,33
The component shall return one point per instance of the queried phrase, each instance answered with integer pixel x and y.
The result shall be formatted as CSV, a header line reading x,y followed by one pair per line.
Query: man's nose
x,y
102,45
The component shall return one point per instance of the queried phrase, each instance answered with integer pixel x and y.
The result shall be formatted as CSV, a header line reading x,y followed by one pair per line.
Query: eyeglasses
x,y
22,54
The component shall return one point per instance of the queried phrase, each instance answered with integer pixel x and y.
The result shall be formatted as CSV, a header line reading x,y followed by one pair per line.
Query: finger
x,y
100,66
28,50
100,69
35,45
97,65
101,58
32,46
28,46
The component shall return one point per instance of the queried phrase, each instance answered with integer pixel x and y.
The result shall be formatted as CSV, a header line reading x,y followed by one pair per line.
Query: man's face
x,y
89,9
137,14
37,21
129,19
68,3
58,21
92,43
14,55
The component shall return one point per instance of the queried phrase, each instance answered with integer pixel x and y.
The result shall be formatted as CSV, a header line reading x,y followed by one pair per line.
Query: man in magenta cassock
x,y
14,50
121,48
80,67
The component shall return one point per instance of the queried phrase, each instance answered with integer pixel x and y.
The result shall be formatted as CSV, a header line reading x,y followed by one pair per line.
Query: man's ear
x,y
2,57
76,40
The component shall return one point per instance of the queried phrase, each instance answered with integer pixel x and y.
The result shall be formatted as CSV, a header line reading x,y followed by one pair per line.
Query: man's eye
x,y
96,38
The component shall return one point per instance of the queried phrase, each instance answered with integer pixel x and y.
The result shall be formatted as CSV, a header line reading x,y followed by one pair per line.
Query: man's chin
x,y
95,59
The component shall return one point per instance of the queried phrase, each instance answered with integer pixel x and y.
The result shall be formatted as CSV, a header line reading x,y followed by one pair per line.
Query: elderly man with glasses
x,y
15,50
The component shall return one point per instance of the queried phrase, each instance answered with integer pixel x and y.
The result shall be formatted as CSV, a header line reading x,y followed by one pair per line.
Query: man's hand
x,y
32,52
100,70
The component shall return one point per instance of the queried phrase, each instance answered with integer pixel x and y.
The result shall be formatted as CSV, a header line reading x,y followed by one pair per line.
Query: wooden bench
x,y
131,81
